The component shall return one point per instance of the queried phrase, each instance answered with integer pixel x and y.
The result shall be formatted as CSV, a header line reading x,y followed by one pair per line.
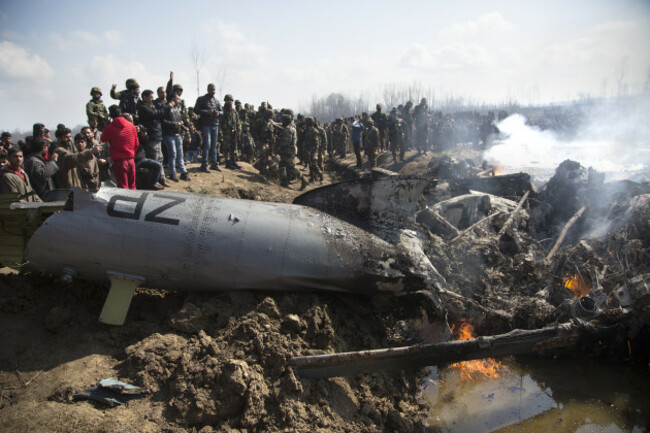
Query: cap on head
x,y
6,134
132,83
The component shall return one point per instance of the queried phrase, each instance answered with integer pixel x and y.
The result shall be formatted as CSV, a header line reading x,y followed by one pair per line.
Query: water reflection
x,y
536,395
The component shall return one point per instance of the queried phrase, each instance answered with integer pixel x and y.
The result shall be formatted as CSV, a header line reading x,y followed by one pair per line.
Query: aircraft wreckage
x,y
364,236
350,237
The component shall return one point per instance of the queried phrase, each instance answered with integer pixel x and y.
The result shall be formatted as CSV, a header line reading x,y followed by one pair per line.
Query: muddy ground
x,y
208,362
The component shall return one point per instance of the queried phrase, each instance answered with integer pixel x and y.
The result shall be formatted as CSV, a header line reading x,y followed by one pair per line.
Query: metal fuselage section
x,y
198,242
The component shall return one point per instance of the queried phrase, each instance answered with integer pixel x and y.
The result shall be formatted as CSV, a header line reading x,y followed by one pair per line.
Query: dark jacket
x,y
172,123
129,103
41,174
208,109
150,116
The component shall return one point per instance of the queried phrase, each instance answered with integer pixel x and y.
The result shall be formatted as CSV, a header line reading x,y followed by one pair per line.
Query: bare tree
x,y
222,80
620,73
198,60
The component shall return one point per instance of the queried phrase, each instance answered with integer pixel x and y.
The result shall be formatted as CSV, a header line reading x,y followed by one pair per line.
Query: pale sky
x,y
53,52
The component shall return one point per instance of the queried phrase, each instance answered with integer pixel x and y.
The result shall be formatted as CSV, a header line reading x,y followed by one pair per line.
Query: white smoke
x,y
612,137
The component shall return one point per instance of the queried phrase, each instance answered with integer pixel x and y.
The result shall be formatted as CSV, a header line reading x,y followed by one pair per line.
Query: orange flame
x,y
495,171
576,285
467,370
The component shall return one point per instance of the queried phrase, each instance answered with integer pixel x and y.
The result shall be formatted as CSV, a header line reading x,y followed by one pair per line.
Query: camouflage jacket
x,y
97,110
311,141
287,142
395,128
380,119
340,134
229,123
371,138
323,138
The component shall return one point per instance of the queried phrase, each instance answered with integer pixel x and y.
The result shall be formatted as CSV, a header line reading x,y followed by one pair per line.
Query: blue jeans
x,y
192,156
175,157
210,135
155,171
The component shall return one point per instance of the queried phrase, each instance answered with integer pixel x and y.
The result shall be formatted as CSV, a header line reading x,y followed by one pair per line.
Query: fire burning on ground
x,y
576,285
468,370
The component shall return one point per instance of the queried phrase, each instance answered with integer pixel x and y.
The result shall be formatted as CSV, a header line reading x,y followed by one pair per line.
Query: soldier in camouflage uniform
x,y
312,146
340,136
300,131
407,117
287,149
371,142
396,135
322,147
231,129
259,123
422,117
381,123
248,151
96,110
266,141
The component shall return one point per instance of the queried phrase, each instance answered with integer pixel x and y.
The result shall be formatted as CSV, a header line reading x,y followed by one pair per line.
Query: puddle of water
x,y
535,395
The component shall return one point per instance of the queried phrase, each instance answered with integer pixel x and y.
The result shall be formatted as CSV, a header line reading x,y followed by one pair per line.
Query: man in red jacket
x,y
122,139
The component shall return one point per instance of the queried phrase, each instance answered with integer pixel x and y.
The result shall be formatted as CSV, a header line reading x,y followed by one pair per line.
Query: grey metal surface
x,y
186,241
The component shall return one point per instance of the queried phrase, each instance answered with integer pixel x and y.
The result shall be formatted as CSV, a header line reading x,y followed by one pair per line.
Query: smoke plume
x,y
612,137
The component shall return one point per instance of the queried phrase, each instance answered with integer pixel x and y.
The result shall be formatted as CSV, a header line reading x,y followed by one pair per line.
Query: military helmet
x,y
132,83
95,90
228,97
6,134
370,122
245,124
309,121
237,102
176,87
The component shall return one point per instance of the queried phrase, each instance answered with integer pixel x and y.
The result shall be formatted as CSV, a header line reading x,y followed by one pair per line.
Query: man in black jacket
x,y
128,98
209,109
151,116
40,172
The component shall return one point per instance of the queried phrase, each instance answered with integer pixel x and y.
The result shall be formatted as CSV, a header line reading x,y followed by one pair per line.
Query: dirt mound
x,y
231,369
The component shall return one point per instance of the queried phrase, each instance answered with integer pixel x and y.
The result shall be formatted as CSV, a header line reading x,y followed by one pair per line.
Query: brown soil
x,y
208,362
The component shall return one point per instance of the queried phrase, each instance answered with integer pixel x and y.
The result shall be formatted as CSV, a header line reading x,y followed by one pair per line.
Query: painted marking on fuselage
x,y
113,208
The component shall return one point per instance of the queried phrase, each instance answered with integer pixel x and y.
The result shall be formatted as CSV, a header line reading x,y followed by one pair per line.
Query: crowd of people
x,y
147,138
